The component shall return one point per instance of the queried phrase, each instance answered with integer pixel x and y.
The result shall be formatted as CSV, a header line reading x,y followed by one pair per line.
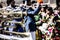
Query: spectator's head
x,y
23,2
29,2
59,10
1,5
9,2
34,7
49,10
34,2
12,3
42,9
46,6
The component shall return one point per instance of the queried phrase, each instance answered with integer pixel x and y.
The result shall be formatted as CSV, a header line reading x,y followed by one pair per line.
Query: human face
x,y
42,9
47,11
34,6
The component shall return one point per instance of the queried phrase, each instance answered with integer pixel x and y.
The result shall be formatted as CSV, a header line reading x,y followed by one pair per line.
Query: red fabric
x,y
50,29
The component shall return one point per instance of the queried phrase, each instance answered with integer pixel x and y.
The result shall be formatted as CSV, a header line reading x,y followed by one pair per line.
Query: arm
x,y
55,18
35,11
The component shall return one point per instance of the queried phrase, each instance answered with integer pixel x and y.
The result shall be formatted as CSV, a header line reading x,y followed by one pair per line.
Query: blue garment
x,y
23,8
1,27
18,19
30,21
19,28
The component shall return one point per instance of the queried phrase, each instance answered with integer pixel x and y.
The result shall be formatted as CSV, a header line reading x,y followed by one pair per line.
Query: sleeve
x,y
35,11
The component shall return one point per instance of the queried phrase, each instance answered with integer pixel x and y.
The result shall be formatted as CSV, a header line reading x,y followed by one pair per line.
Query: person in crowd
x,y
1,6
42,12
56,20
50,15
46,21
57,3
43,17
1,20
11,28
56,11
30,21
19,28
12,6
1,29
9,2
14,25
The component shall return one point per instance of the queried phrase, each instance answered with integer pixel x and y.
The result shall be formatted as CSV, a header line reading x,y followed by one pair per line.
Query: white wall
x,y
17,1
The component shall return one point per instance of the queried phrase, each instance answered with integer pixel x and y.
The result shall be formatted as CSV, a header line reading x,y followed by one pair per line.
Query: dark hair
x,y
50,10
58,8
0,14
46,6
9,2
1,5
13,4
29,2
43,8
30,9
34,2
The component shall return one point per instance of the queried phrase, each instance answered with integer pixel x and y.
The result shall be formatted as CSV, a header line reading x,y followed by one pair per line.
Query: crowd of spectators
x,y
42,18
